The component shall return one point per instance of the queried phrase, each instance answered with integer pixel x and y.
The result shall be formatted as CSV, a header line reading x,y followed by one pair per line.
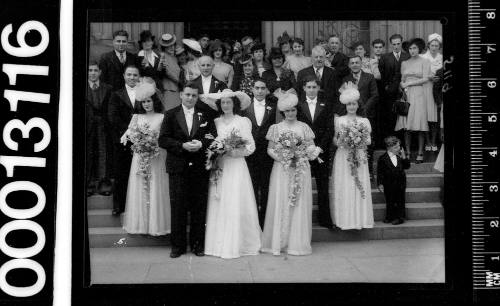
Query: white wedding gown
x,y
139,217
232,222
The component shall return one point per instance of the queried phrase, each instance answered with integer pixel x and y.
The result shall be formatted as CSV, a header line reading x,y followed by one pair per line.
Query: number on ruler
x,y
494,223
492,84
490,15
492,118
493,188
493,153
490,49
495,258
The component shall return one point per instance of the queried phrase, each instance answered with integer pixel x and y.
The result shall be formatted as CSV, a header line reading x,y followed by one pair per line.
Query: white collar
x,y
391,154
206,78
263,102
396,53
142,53
118,54
311,100
188,110
92,83
128,88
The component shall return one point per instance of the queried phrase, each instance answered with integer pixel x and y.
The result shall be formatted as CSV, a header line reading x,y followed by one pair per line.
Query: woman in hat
x,y
147,209
170,72
297,61
147,58
194,52
434,43
278,77
243,81
285,45
232,221
288,221
221,70
351,201
359,49
258,51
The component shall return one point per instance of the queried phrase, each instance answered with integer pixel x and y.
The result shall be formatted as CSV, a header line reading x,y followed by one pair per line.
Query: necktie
x,y
356,78
94,86
122,58
318,75
397,57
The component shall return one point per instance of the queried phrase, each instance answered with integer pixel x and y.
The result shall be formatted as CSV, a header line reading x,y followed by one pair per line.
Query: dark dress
x,y
285,81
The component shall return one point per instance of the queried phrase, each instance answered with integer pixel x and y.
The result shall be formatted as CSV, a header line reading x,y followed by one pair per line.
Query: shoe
x,y
175,254
327,225
116,212
428,148
387,220
199,252
420,159
105,193
434,148
398,221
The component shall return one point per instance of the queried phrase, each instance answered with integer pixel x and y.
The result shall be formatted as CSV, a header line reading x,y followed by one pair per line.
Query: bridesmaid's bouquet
x,y
219,147
294,155
354,136
145,145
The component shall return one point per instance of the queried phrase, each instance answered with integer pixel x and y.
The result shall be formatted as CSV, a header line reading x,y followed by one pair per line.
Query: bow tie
x,y
189,111
261,103
311,102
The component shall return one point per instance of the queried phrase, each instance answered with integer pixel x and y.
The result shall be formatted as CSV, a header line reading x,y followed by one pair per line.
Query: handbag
x,y
401,106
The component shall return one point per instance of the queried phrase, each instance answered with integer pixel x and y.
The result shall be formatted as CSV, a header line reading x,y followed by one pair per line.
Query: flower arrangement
x,y
355,136
145,145
293,153
218,148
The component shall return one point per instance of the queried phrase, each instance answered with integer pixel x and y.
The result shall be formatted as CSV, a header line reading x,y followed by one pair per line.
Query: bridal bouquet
x,y
294,154
218,148
145,145
354,136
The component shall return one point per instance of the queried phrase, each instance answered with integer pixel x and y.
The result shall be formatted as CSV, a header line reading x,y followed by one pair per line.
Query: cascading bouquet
x,y
219,147
145,145
294,155
355,136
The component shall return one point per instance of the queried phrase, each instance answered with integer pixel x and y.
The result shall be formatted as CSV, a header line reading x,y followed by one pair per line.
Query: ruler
x,y
484,147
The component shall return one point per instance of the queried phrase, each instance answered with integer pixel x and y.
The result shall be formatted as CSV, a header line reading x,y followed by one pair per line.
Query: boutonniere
x,y
204,124
216,82
209,136
199,116
269,108
322,104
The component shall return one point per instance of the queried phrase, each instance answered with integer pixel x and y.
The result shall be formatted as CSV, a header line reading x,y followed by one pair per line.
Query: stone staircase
x,y
423,210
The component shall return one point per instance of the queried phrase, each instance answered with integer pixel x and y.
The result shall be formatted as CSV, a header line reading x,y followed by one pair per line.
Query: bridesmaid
x,y
147,209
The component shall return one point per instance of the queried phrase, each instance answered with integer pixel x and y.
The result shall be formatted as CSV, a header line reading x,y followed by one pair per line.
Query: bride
x,y
232,222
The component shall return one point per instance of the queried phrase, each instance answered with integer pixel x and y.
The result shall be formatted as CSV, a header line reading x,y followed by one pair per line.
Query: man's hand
x,y
192,146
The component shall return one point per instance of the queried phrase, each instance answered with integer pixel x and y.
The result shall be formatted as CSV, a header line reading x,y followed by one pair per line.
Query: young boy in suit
x,y
391,180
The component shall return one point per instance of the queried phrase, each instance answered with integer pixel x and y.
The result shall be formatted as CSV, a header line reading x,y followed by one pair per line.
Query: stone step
x,y
413,195
106,237
412,180
414,211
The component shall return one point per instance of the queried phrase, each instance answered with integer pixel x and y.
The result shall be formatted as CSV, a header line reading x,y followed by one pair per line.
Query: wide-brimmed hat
x,y
211,98
193,45
245,58
275,52
145,35
167,39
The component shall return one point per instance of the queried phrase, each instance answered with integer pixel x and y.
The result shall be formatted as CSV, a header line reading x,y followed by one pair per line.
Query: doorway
x,y
224,30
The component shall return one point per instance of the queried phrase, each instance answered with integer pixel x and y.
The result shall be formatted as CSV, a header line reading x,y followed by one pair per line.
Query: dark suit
x,y
260,163
216,85
98,144
322,124
390,72
394,181
329,85
120,112
188,179
112,69
368,98
340,63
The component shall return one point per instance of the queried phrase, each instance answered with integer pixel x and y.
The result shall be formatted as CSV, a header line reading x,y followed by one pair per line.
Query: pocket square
x,y
203,124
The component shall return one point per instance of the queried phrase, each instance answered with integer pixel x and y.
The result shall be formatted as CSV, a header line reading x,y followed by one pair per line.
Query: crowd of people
x,y
226,137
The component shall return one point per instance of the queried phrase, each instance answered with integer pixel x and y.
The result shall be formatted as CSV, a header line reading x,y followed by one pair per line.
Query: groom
x,y
184,134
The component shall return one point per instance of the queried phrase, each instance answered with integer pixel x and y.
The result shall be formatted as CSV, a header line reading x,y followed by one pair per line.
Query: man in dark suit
x,y
368,98
313,110
328,78
207,83
113,63
185,135
337,60
390,72
99,144
262,114
391,180
120,110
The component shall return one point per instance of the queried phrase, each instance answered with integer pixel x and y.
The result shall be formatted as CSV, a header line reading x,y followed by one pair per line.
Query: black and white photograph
x,y
288,151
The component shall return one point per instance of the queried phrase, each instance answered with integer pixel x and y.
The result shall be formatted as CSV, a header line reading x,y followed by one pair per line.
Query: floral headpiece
x,y
348,93
284,38
435,36
287,101
145,89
